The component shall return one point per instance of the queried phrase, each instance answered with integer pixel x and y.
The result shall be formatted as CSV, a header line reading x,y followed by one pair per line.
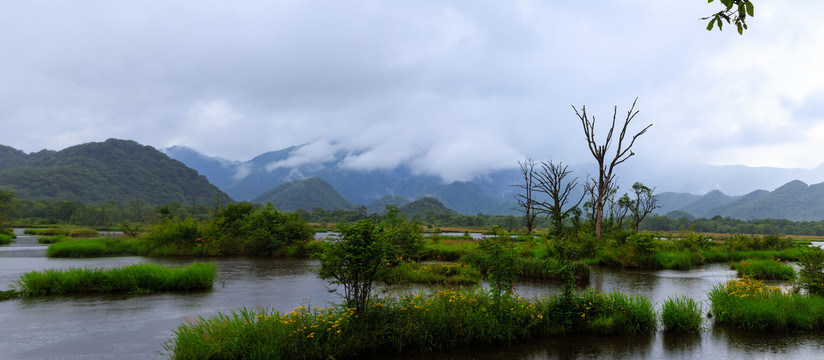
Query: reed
x,y
773,269
447,274
6,238
137,278
413,323
752,305
681,314
86,248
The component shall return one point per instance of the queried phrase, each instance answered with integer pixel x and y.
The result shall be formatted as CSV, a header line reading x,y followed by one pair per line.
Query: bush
x,y
811,270
681,314
357,260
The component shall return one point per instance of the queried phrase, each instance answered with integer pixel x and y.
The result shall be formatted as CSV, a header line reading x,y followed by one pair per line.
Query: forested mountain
x,y
304,194
112,170
795,201
426,207
249,180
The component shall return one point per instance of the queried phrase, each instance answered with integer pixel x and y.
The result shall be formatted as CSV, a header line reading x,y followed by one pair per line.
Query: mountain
x,y
425,207
794,201
379,206
304,194
111,170
250,179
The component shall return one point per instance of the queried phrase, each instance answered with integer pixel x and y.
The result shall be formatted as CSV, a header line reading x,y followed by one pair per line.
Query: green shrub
x,y
681,314
811,270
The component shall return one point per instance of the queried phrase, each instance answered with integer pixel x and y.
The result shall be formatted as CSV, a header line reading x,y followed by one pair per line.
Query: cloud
x,y
452,89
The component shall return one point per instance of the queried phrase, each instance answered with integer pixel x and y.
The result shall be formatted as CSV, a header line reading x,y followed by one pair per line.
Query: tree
x,y
526,202
736,11
356,260
7,203
645,202
550,181
606,166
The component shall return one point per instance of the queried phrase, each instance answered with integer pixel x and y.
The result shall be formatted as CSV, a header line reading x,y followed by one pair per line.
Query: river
x,y
136,326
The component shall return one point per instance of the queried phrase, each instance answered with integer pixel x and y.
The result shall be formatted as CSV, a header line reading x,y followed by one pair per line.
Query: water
x,y
136,326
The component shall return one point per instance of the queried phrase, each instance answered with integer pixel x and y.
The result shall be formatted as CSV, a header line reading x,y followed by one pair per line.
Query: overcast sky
x,y
450,88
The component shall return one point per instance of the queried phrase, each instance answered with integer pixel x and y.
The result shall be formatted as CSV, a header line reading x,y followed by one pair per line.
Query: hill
x,y
794,200
426,207
250,179
93,172
304,194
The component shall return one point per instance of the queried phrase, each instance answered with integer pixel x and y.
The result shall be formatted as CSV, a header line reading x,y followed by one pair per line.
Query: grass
x,y
138,278
681,314
415,323
6,239
70,232
449,274
52,239
764,269
751,305
84,248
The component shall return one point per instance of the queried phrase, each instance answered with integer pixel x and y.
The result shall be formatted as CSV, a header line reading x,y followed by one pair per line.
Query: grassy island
x,y
137,278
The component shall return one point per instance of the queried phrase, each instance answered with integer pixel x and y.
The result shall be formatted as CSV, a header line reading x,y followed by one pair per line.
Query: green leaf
x,y
740,28
750,8
742,13
711,23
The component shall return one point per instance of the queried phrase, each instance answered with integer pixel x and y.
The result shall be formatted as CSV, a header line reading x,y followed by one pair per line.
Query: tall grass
x,y
84,248
681,314
451,274
750,304
764,269
414,323
70,232
138,278
6,238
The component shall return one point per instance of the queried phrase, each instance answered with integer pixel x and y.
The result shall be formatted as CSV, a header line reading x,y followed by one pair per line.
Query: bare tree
x,y
645,202
606,166
526,202
550,181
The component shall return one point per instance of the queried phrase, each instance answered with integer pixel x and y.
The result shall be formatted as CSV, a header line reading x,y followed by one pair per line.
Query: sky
x,y
455,89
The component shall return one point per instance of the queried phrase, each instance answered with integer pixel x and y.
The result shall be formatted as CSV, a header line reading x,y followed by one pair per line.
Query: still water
x,y
136,326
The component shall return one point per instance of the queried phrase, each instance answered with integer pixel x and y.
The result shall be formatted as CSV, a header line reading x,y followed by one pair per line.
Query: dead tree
x,y
606,166
526,202
550,181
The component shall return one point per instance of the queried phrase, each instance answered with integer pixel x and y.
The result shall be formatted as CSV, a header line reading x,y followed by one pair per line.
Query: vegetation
x,y
752,305
6,237
304,194
414,323
736,11
99,247
811,274
138,278
73,232
772,269
681,314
